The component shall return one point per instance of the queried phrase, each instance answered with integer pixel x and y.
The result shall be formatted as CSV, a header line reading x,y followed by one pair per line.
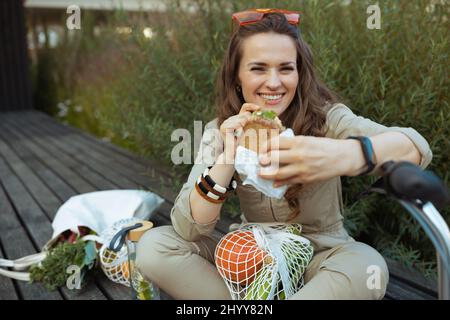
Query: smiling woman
x,y
268,67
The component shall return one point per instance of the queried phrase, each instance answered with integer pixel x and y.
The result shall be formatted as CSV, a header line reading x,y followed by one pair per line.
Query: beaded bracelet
x,y
210,190
204,194
217,187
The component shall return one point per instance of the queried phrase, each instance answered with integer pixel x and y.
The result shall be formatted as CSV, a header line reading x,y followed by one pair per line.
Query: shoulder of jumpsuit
x,y
334,111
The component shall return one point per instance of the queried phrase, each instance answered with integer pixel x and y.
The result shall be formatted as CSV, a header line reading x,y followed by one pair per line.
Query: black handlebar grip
x,y
406,180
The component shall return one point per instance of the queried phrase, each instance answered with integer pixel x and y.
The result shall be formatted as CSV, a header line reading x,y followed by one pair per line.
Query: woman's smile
x,y
272,99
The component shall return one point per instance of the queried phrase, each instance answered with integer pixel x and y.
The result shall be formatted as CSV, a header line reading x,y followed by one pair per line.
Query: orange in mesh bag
x,y
263,261
238,257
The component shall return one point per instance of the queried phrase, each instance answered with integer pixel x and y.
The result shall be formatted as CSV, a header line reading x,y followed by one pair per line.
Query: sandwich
x,y
262,126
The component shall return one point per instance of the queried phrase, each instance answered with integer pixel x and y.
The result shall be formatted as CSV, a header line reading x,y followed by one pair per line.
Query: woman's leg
x,y
183,269
351,271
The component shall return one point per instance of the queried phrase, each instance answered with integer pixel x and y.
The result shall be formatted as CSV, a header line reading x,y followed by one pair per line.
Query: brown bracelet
x,y
212,190
204,196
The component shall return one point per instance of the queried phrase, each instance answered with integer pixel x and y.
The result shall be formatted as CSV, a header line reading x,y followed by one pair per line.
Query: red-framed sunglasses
x,y
254,15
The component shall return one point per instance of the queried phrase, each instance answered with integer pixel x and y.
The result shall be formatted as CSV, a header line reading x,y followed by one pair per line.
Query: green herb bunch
x,y
52,271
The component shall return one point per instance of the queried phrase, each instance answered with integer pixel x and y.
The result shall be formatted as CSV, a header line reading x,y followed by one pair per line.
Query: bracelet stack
x,y
210,190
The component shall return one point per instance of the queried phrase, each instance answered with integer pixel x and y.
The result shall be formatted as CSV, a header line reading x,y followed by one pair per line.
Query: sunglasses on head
x,y
255,15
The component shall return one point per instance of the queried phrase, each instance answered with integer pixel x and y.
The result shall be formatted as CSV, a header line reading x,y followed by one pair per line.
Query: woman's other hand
x,y
304,159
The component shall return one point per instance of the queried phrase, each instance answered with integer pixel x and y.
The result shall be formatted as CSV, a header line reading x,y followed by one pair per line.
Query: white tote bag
x,y
96,210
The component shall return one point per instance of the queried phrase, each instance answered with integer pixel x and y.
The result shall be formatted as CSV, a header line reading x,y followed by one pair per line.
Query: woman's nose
x,y
273,82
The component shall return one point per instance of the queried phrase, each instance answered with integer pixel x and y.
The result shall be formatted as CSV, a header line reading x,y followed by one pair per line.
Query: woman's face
x,y
268,71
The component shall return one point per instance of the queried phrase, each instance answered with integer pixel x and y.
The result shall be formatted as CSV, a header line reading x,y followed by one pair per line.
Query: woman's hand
x,y
232,128
304,159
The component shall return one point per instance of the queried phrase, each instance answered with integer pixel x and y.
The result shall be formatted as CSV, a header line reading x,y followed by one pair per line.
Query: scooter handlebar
x,y
406,180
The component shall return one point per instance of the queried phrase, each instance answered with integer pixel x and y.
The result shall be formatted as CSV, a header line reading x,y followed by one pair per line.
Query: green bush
x,y
396,76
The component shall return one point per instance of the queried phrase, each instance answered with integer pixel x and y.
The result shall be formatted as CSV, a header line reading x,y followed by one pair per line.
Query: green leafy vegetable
x,y
52,271
267,114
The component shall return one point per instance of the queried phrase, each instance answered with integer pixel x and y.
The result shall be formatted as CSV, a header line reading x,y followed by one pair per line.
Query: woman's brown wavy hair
x,y
307,112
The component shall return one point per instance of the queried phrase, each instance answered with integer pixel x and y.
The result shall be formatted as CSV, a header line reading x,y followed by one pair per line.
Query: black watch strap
x,y
368,152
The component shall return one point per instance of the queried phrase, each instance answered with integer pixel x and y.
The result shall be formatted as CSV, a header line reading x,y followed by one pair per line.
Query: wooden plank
x,y
107,170
31,214
145,176
64,145
36,187
68,175
90,291
412,277
16,240
398,290
122,155
111,290
88,176
46,175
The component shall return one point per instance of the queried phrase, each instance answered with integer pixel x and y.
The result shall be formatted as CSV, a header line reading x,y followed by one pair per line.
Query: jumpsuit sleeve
x,y
342,122
210,148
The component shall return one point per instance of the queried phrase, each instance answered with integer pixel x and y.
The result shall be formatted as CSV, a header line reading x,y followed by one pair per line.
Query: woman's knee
x,y
364,267
373,276
155,246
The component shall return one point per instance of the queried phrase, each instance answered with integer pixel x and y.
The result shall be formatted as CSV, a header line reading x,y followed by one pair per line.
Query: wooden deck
x,y
43,163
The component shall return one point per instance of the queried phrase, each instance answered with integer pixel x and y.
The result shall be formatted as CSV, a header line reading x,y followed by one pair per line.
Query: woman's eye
x,y
282,69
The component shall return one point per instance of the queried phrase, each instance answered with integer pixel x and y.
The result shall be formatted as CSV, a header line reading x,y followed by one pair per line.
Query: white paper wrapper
x,y
247,165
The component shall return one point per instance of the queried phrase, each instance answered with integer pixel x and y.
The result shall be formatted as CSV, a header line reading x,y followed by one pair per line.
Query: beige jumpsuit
x,y
180,258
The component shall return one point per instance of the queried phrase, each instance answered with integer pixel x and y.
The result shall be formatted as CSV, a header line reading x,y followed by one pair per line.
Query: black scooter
x,y
422,193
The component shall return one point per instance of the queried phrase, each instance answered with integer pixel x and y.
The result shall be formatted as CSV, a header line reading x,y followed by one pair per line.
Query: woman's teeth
x,y
271,97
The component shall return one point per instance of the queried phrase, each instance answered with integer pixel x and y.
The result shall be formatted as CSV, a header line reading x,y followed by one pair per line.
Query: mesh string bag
x,y
115,264
263,261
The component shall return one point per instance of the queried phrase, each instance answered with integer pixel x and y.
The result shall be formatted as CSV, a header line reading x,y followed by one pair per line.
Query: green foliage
x,y
52,271
136,91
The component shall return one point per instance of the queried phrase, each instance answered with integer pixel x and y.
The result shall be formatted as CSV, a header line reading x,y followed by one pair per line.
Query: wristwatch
x,y
368,152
